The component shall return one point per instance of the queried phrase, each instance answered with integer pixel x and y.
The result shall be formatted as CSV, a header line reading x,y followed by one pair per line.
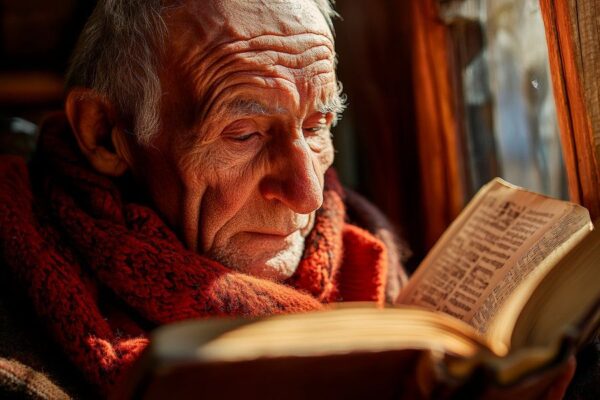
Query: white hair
x,y
118,54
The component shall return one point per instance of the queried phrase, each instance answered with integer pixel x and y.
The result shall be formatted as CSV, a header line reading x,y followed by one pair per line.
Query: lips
x,y
271,241
300,224
303,223
273,234
271,237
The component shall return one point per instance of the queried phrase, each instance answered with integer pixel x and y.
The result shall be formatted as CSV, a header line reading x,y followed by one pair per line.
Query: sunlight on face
x,y
267,182
239,165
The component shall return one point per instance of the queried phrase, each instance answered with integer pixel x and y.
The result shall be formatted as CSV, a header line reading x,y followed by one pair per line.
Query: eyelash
x,y
244,138
248,136
315,129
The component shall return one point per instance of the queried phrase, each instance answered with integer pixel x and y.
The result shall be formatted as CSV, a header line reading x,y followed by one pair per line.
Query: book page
x,y
568,301
498,240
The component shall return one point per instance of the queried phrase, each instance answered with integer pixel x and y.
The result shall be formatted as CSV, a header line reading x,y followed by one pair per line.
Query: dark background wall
x,y
374,44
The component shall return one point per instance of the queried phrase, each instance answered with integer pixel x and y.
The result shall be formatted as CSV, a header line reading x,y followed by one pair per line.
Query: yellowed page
x,y
564,302
501,327
503,234
339,329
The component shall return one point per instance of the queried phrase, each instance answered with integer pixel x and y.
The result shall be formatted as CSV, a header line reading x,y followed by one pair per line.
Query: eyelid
x,y
243,137
240,127
324,120
240,124
315,129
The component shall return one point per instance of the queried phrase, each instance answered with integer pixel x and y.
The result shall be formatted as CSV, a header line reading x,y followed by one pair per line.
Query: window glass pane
x,y
510,127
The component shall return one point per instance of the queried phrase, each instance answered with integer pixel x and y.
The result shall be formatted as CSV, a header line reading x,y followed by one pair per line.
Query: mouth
x,y
272,234
270,238
283,230
268,254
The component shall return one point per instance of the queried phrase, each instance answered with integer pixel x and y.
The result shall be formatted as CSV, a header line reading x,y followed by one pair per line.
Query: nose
x,y
294,178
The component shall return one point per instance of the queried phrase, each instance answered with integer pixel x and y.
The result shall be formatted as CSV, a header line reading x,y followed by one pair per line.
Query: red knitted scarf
x,y
101,270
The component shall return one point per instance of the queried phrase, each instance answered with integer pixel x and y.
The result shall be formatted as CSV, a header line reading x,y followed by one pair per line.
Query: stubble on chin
x,y
261,261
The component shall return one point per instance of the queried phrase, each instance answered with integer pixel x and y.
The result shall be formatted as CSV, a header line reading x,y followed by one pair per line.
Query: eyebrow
x,y
241,107
335,105
252,107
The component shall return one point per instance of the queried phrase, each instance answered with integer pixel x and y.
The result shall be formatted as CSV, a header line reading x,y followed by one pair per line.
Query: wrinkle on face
x,y
263,71
217,20
253,63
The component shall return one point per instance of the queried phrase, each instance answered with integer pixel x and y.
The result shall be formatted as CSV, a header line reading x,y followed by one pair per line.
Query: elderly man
x,y
188,177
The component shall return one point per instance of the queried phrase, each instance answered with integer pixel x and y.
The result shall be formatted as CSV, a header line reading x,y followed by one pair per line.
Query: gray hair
x,y
118,54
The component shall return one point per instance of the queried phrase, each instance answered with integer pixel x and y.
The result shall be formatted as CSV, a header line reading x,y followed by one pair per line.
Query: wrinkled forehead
x,y
210,23
222,50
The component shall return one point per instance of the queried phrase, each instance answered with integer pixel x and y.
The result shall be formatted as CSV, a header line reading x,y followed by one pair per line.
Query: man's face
x,y
249,95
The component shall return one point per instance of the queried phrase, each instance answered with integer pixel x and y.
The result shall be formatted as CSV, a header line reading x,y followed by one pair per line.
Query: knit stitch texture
x,y
101,270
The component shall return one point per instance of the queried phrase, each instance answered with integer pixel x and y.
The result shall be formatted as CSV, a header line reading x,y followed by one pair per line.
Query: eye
x,y
315,129
244,137
317,123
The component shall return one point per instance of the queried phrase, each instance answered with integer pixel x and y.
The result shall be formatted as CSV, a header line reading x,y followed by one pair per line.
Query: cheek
x,y
326,156
227,182
218,169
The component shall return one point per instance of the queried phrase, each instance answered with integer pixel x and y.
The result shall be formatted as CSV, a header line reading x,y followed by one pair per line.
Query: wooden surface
x,y
585,24
572,33
438,122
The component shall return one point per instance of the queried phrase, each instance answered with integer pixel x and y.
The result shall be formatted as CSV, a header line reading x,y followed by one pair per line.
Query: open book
x,y
510,290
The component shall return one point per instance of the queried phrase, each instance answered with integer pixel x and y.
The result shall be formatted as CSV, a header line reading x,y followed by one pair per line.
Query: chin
x,y
263,258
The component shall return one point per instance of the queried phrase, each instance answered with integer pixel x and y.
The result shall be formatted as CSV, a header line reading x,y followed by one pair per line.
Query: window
x,y
509,125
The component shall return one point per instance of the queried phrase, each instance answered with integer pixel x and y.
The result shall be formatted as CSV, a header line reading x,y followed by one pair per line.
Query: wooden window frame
x,y
572,34
574,55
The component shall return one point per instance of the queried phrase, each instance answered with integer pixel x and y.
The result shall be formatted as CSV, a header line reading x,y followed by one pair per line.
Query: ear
x,y
93,120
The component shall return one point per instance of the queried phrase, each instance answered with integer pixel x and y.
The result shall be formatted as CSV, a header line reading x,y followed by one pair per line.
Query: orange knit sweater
x,y
101,270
